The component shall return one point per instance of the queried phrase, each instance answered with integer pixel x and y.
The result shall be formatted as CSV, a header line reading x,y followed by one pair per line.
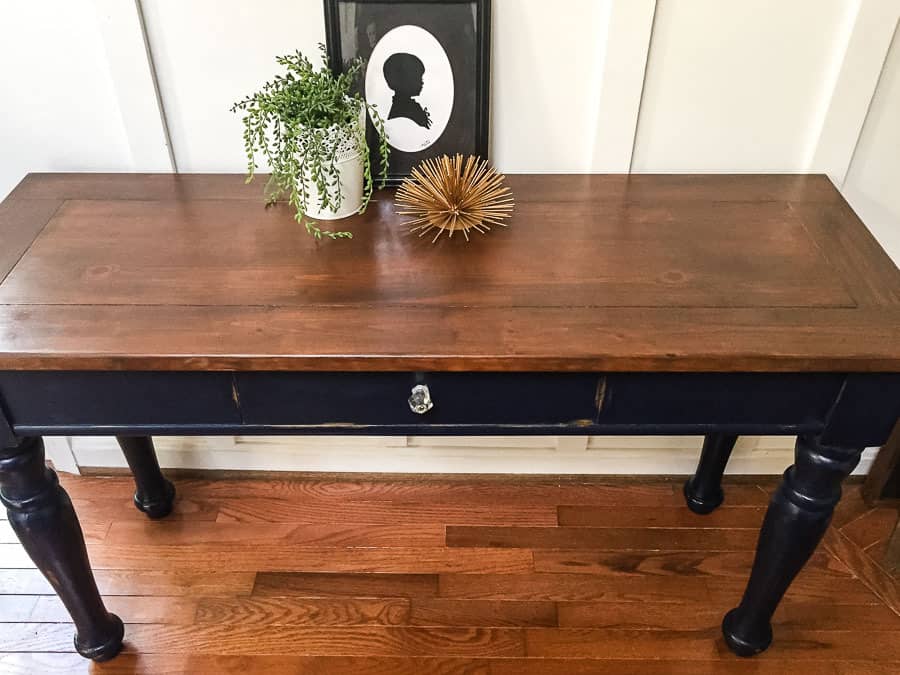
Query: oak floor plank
x,y
16,608
815,616
708,616
604,643
229,639
487,613
376,585
94,529
809,585
284,534
37,637
459,489
177,610
871,667
571,587
266,510
13,556
790,643
7,536
137,582
179,533
871,527
356,575
97,487
627,538
851,507
879,550
674,563
122,508
883,584
511,490
23,582
268,557
455,503
403,488
225,639
180,664
294,611
31,663
728,517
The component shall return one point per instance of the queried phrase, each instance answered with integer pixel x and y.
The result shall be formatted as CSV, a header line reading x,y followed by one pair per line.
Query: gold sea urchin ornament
x,y
452,194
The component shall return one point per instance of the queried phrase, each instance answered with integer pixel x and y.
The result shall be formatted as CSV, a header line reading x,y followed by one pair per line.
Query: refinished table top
x,y
709,273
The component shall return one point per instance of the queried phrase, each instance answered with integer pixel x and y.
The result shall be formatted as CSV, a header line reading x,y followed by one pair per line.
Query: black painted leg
x,y
703,490
154,494
798,516
42,516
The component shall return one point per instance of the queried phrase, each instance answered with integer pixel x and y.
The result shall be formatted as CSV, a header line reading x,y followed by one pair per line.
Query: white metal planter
x,y
349,163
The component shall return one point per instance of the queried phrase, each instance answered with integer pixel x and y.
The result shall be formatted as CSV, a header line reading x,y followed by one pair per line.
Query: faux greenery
x,y
298,121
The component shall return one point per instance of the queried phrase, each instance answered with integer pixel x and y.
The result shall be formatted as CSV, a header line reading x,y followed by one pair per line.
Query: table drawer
x,y
382,398
88,401
746,400
593,403
465,403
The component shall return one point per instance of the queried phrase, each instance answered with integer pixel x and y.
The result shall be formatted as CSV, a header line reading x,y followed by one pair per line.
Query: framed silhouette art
x,y
426,69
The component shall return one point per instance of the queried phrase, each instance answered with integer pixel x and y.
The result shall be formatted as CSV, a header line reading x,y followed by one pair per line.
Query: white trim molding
x,y
134,82
621,83
856,78
58,449
599,455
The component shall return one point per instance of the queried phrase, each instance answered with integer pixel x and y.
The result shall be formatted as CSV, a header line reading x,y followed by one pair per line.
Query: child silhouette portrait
x,y
404,75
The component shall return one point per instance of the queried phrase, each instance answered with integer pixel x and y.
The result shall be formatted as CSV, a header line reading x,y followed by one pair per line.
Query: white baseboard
x,y
58,449
422,454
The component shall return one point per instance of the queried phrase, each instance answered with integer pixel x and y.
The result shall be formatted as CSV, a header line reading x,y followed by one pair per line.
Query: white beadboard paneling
x,y
58,449
571,443
619,83
738,86
313,443
546,60
643,443
130,68
519,442
60,111
873,182
555,84
210,53
861,65
606,455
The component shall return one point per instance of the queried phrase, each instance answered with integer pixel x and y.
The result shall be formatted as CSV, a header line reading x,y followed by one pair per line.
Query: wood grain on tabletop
x,y
649,272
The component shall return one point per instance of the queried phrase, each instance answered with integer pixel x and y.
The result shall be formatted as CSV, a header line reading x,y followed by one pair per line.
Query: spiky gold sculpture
x,y
452,194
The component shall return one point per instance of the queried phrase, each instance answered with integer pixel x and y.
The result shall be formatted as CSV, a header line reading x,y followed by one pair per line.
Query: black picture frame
x,y
469,129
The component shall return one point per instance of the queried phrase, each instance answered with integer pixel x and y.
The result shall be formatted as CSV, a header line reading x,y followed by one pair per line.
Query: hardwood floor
x,y
487,576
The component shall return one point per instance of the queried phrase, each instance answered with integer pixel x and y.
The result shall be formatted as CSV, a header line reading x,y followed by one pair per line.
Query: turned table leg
x,y
154,494
799,513
703,491
42,517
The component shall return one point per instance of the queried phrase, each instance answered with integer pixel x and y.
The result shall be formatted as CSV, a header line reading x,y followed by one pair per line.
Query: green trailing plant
x,y
299,122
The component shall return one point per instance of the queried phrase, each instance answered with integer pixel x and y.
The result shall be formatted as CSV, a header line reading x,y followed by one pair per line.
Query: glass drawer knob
x,y
420,399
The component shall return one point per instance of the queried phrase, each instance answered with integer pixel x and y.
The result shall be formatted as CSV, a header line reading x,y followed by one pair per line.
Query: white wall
x,y
739,86
59,106
210,53
873,183
546,100
578,86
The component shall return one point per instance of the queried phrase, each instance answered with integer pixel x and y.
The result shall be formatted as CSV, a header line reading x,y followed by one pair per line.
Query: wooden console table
x,y
719,305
